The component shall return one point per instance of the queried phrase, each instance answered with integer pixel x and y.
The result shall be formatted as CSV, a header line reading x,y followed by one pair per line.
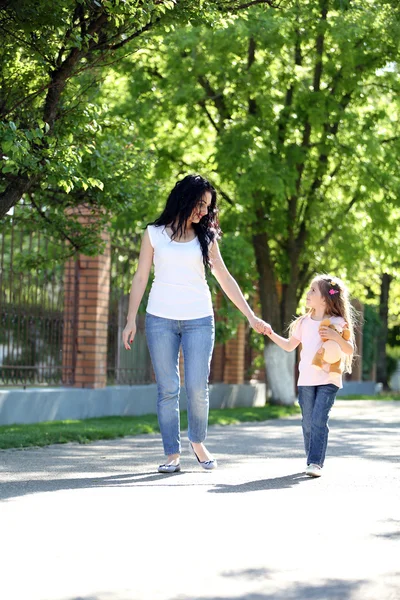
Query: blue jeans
x,y
316,402
164,338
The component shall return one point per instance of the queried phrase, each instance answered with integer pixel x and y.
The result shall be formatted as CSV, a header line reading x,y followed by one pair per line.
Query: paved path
x,y
97,523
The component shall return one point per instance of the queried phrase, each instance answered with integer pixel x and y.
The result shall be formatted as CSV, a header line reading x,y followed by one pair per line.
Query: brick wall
x,y
228,361
87,289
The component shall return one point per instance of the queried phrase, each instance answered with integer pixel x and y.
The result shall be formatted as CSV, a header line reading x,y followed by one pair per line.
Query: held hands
x,y
260,326
128,334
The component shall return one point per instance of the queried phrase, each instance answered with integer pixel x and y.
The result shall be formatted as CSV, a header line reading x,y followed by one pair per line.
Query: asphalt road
x,y
97,522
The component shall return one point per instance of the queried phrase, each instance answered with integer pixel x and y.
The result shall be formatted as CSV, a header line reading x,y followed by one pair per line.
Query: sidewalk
x,y
97,522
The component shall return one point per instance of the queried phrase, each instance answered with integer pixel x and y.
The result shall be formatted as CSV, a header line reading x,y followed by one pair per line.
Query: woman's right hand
x,y
128,334
260,326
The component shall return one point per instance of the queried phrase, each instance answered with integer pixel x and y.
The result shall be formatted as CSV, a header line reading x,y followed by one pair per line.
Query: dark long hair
x,y
182,200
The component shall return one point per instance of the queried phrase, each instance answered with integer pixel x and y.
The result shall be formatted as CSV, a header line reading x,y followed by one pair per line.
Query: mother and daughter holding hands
x,y
181,243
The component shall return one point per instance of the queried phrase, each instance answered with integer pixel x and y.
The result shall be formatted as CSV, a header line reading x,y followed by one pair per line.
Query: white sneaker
x,y
314,470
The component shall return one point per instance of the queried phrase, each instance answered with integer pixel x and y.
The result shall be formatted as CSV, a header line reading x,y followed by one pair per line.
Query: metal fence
x,y
31,307
134,366
35,316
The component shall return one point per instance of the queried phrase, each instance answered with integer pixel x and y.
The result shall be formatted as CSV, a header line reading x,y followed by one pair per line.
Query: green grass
x,y
88,430
382,396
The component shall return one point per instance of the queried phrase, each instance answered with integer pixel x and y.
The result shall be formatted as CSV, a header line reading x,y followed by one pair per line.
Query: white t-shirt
x,y
180,290
306,331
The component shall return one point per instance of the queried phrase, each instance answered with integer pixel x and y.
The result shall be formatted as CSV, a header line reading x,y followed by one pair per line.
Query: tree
x,y
294,114
377,270
53,57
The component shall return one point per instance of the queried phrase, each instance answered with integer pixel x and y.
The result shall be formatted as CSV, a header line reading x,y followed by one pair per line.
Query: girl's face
x,y
201,209
314,299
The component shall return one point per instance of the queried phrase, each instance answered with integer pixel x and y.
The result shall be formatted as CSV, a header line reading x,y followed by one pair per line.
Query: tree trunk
x,y
14,192
381,362
267,284
289,303
279,365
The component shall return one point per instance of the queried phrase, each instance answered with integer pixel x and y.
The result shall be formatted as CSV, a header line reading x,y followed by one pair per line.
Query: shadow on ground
x,y
118,462
15,489
332,589
276,483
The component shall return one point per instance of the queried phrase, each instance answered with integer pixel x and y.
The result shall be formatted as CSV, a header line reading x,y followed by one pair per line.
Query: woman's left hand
x,y
260,326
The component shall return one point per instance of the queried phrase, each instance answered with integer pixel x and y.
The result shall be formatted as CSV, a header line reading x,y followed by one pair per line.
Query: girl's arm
x,y
138,287
233,291
327,333
284,343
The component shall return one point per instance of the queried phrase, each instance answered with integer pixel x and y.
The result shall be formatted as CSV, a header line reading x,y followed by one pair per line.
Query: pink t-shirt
x,y
306,331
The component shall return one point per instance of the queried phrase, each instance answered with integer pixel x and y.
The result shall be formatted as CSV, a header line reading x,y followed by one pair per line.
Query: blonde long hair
x,y
337,305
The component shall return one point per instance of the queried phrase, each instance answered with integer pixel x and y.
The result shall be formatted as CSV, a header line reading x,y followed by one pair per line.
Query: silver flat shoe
x,y
169,468
208,465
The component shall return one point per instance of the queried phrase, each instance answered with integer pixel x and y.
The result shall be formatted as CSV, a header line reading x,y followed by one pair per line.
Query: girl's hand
x,y
327,333
260,326
128,334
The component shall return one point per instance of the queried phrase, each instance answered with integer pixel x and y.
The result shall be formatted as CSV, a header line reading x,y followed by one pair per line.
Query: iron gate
x,y
32,317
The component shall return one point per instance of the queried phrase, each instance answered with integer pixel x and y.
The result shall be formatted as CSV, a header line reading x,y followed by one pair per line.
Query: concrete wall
x,y
56,404
360,388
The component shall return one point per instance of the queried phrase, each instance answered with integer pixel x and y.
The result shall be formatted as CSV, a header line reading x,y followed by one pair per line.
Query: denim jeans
x,y
316,402
164,338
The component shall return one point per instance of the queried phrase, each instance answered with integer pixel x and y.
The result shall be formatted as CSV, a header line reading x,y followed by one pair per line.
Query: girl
x,y
181,243
326,298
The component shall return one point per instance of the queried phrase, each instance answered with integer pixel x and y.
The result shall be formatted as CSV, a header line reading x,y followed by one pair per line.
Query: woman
x,y
181,243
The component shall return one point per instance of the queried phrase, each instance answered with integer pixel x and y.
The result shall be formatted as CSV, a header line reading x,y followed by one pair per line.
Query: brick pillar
x,y
87,285
218,355
234,356
217,363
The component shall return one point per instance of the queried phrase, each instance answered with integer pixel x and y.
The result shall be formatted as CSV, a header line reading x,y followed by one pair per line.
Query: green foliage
x,y
382,396
294,116
239,260
371,328
394,336
393,358
55,138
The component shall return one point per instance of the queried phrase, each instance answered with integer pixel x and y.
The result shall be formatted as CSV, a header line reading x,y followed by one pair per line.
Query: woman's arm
x,y
233,291
284,343
138,287
327,333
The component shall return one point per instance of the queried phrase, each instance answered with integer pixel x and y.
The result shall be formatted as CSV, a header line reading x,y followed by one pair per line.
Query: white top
x,y
180,290
306,331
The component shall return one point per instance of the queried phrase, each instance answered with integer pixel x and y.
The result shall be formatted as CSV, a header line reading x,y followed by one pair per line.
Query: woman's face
x,y
201,209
